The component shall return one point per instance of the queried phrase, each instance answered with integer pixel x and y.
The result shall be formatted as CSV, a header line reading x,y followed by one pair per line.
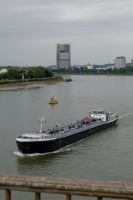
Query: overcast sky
x,y
98,30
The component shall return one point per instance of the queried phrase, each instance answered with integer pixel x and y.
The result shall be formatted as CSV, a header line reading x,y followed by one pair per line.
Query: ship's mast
x,y
41,123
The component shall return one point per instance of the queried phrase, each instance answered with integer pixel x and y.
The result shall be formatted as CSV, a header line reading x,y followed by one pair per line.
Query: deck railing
x,y
67,187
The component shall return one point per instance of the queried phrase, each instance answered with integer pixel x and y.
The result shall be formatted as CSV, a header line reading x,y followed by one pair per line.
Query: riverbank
x,y
27,85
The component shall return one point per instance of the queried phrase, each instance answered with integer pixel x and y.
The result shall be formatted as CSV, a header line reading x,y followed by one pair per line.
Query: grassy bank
x,y
6,85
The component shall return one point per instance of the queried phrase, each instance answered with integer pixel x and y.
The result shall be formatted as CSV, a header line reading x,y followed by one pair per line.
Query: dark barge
x,y
61,136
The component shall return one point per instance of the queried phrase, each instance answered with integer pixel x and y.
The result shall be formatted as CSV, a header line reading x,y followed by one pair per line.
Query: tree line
x,y
26,73
83,70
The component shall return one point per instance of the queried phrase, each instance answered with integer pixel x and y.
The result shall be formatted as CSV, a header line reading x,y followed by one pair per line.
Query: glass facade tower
x,y
63,56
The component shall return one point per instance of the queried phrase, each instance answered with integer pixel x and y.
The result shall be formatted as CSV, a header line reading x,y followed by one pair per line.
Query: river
x,y
104,156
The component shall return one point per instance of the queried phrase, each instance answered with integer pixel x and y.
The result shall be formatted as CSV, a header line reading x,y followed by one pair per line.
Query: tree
x,y
38,72
13,73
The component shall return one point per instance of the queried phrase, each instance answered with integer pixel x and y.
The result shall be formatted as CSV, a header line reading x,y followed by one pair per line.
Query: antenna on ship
x,y
42,120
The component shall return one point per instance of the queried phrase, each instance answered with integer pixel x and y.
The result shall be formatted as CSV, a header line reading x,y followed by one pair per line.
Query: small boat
x,y
58,137
68,79
53,100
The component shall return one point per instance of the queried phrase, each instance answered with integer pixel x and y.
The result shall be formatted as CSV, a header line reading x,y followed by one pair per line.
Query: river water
x,y
107,155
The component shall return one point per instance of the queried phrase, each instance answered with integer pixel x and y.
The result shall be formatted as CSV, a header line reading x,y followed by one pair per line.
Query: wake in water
x,y
18,153
126,115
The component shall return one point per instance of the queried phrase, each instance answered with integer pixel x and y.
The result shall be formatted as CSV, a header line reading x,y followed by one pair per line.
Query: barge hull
x,y
50,146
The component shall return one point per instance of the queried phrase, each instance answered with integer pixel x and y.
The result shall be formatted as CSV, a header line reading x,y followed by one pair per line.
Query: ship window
x,y
98,112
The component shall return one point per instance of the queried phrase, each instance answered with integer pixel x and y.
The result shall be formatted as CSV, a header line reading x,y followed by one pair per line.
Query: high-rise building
x,y
63,56
120,62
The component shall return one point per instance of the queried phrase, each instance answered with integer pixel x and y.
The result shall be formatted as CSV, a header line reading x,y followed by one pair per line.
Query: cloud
x,y
28,24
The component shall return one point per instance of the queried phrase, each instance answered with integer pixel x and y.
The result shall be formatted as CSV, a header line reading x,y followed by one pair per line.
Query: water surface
x,y
104,156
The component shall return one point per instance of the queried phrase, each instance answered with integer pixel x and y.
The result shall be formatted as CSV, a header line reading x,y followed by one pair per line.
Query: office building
x,y
120,62
63,56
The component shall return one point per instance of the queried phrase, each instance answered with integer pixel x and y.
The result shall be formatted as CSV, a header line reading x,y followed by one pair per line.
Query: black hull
x,y
54,145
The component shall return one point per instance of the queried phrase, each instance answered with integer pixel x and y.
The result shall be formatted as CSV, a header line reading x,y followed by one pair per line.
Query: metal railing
x,y
67,187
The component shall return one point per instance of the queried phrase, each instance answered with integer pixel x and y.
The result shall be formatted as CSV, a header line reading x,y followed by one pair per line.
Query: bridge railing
x,y
67,187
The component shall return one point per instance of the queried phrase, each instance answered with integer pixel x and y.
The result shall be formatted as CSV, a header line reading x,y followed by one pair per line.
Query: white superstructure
x,y
102,115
